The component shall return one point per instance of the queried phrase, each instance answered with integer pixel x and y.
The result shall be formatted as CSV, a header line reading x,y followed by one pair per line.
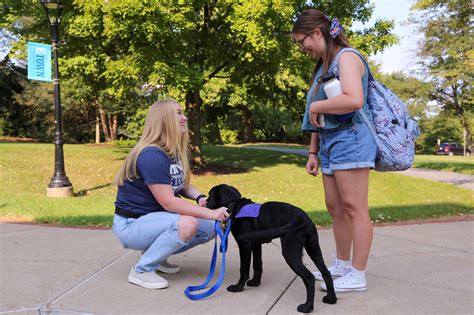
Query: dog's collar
x,y
234,207
231,206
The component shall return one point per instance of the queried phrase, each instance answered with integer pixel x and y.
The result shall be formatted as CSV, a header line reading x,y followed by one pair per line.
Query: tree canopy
x,y
222,59
448,56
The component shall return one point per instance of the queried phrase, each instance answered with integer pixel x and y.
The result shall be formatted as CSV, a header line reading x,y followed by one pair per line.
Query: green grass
x,y
276,145
459,164
25,170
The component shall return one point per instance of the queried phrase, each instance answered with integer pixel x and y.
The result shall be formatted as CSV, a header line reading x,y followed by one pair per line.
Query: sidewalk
x,y
462,180
413,269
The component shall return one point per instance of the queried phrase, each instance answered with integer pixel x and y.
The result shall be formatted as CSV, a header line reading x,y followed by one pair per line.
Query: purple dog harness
x,y
251,210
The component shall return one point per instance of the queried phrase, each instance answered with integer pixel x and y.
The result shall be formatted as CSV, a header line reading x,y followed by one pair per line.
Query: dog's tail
x,y
268,235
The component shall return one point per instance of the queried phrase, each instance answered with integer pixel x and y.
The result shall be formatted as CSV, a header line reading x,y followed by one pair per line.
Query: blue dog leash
x,y
223,249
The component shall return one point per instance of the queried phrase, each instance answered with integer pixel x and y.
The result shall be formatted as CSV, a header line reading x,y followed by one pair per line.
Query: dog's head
x,y
222,196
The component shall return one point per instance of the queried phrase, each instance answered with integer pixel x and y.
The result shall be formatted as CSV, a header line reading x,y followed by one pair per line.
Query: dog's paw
x,y
253,283
329,299
235,288
303,308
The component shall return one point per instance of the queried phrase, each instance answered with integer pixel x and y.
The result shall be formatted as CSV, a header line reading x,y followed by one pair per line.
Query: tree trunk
x,y
213,124
193,110
109,125
114,127
103,123
247,125
466,133
97,127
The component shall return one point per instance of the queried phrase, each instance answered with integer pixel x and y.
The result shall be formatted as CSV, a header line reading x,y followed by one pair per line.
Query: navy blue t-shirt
x,y
154,166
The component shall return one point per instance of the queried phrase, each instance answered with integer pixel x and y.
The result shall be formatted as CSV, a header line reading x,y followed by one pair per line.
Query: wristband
x,y
199,197
315,153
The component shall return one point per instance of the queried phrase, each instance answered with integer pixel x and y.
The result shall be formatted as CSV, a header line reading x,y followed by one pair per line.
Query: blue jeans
x,y
346,147
157,235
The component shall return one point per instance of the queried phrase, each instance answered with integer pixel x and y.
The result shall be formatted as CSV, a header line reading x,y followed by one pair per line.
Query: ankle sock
x,y
345,263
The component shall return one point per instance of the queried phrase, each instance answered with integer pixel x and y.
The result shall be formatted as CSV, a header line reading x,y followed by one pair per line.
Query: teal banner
x,y
39,62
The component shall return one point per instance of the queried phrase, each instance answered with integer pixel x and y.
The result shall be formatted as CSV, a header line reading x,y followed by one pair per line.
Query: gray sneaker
x,y
149,280
166,267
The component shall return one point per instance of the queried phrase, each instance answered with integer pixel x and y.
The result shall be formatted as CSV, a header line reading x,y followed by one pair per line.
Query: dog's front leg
x,y
245,252
257,266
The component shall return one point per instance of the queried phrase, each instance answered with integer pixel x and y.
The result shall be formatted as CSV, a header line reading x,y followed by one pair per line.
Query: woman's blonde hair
x,y
163,130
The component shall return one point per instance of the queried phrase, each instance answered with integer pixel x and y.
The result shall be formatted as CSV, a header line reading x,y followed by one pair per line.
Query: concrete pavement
x,y
427,268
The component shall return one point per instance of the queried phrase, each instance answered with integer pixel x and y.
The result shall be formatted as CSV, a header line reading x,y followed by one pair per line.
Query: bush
x,y
230,136
294,134
124,142
135,124
441,127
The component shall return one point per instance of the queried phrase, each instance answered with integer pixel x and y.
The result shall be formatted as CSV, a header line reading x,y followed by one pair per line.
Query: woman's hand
x,y
219,214
313,115
312,165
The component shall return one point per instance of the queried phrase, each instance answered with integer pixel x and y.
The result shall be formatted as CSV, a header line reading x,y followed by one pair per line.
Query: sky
x,y
400,57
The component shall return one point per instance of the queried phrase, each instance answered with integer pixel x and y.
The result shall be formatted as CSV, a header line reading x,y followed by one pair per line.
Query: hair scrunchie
x,y
335,28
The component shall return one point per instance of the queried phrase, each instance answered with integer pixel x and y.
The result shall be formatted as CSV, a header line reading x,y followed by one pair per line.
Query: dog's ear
x,y
222,195
228,194
236,192
213,198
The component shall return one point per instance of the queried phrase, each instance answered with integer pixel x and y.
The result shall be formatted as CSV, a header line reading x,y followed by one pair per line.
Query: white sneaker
x,y
337,269
349,282
149,280
166,267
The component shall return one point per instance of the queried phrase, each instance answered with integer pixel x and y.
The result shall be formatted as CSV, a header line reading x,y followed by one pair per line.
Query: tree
x,y
447,55
244,44
272,73
205,53
442,127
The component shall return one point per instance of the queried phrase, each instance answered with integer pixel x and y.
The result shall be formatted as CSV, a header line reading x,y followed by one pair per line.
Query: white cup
x,y
332,88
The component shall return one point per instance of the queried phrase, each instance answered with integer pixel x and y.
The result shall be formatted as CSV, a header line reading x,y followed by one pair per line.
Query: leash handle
x,y
223,249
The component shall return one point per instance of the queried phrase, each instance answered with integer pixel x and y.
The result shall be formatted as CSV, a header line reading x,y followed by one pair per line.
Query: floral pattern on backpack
x,y
392,127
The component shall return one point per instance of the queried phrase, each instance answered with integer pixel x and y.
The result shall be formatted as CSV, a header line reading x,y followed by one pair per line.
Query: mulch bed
x,y
17,139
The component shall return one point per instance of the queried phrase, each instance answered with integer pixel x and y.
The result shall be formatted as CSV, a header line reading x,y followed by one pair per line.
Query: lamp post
x,y
59,186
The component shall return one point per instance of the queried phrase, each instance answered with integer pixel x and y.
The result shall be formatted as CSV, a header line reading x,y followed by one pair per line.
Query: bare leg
x,y
342,225
353,189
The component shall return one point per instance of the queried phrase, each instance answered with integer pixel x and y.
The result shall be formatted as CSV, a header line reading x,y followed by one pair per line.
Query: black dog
x,y
275,220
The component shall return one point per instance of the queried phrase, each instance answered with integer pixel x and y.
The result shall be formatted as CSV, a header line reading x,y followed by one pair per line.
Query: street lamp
x,y
59,186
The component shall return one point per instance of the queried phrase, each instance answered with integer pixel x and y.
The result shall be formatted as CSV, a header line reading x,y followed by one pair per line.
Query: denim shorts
x,y
347,147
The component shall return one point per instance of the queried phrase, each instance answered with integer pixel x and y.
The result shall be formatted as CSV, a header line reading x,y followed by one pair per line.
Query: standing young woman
x,y
344,145
149,215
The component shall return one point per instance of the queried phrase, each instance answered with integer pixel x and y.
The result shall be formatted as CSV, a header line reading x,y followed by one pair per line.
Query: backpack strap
x,y
334,67
371,127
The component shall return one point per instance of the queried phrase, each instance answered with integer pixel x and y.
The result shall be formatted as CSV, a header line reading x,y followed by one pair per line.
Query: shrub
x,y
230,136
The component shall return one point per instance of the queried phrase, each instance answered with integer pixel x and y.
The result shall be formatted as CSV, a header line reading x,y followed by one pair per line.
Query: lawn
x,y
26,168
458,164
